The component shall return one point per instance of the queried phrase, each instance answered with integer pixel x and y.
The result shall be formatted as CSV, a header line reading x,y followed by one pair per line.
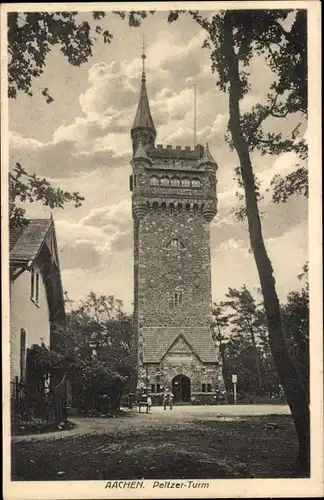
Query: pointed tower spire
x,y
207,158
143,127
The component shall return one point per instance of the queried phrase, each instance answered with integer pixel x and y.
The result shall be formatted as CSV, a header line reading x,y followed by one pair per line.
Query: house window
x,y
203,387
154,181
152,388
22,355
32,282
165,181
185,182
37,289
209,387
158,388
196,183
175,181
34,286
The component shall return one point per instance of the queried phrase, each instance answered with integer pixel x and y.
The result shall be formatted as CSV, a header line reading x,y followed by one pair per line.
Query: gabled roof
x,y
25,242
37,240
14,234
158,340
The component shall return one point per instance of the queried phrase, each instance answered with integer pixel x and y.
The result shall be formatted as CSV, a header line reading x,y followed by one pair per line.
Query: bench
x,y
143,403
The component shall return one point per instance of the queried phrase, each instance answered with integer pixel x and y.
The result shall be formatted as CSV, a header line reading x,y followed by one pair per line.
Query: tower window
x,y
209,387
176,300
185,182
175,244
165,181
154,180
196,183
175,181
203,387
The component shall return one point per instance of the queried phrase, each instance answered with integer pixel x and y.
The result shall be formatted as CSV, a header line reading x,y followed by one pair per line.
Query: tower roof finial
x,y
143,56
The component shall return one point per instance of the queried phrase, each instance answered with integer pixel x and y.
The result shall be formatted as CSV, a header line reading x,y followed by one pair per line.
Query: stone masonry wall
x,y
199,373
162,271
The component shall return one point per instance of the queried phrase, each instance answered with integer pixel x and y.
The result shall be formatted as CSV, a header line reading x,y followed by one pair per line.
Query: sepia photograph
x,y
161,248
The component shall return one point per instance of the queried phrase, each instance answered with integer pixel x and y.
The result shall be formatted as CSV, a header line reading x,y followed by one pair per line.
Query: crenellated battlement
x,y
169,151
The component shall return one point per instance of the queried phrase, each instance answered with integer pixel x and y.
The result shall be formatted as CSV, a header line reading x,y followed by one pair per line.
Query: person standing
x,y
149,401
165,399
171,397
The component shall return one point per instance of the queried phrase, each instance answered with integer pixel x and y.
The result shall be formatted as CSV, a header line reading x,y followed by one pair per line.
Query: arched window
x,y
175,181
175,244
154,180
196,183
176,299
165,181
185,182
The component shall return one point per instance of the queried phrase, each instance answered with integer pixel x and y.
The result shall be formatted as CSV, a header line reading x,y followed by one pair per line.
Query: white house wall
x,y
24,313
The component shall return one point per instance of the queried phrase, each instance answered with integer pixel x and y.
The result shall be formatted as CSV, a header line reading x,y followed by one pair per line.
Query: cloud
x,y
89,148
102,231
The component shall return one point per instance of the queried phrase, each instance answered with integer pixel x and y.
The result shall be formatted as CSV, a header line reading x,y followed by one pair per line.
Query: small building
x,y
36,294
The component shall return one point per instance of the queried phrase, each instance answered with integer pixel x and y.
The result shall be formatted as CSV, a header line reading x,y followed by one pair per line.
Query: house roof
x,y
37,240
25,242
158,340
14,234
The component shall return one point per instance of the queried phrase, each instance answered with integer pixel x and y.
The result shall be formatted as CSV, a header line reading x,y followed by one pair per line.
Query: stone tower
x,y
173,203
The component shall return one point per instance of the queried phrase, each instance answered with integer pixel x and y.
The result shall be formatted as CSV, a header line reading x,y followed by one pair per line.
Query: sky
x,y
81,142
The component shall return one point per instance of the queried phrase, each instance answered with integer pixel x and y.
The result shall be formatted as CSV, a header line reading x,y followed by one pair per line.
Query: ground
x,y
186,442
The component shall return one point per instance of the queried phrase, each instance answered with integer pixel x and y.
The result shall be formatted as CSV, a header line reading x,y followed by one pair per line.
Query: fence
x,y
37,405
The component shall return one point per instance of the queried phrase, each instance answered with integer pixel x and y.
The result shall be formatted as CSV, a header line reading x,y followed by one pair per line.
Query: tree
x,y
245,320
96,344
295,313
234,38
28,187
31,36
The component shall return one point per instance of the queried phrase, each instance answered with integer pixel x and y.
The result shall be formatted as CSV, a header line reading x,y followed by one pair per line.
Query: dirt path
x,y
157,418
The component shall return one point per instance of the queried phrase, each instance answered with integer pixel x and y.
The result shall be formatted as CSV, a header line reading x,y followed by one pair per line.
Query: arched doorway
x,y
181,388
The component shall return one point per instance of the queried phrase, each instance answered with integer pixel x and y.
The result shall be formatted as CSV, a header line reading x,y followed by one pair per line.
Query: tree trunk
x,y
295,394
257,359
